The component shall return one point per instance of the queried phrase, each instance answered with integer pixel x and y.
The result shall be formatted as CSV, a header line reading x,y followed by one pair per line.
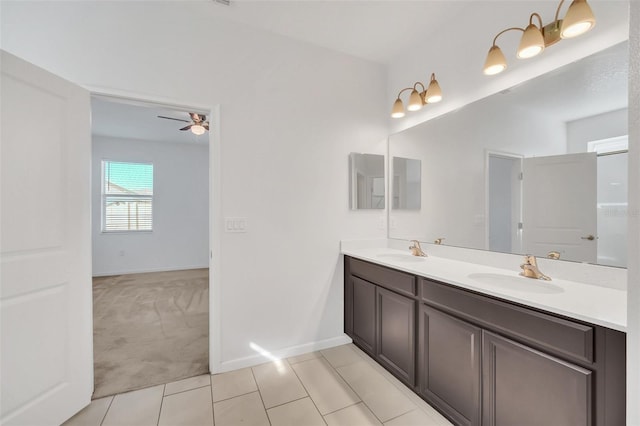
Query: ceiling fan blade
x,y
206,125
195,117
171,118
187,127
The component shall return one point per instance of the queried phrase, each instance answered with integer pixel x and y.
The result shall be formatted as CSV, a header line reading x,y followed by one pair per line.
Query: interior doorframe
x,y
215,204
493,153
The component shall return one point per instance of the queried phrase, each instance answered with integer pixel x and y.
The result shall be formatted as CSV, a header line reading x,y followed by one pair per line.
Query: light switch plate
x,y
235,224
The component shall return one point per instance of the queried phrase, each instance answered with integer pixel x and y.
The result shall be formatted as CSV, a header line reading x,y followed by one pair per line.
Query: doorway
x,y
150,244
504,202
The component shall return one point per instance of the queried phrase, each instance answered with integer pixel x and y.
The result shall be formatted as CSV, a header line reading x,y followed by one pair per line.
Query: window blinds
x,y
127,196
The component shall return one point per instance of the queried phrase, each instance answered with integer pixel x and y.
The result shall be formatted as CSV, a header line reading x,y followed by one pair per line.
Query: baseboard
x,y
257,359
143,271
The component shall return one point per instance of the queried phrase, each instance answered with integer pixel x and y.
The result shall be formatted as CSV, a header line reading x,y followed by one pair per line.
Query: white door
x,y
559,206
45,247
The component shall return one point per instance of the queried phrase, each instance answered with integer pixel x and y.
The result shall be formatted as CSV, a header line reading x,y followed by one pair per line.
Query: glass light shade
x,y
398,109
197,129
578,20
531,43
415,101
496,62
434,93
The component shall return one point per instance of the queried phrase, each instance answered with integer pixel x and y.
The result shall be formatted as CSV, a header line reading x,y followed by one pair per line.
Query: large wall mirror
x,y
538,168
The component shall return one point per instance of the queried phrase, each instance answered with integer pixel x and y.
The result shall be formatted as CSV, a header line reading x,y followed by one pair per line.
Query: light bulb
x,y
531,43
197,129
415,101
496,62
398,109
578,20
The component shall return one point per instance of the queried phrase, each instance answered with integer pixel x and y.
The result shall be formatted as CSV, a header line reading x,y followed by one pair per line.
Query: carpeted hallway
x,y
149,329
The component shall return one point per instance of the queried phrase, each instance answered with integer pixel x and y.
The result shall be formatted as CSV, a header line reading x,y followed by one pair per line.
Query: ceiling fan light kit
x,y
578,20
417,99
198,124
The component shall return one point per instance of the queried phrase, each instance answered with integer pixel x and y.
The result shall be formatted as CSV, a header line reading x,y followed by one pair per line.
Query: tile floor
x,y
337,386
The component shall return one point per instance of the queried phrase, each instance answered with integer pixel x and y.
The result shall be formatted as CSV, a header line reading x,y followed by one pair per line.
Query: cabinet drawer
x,y
394,280
557,334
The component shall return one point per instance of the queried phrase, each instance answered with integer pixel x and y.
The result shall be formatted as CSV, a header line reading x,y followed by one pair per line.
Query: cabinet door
x,y
526,387
364,314
396,334
450,365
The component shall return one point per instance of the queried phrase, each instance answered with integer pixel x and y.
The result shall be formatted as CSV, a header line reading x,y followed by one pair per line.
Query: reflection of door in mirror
x,y
559,206
612,199
406,188
504,202
366,175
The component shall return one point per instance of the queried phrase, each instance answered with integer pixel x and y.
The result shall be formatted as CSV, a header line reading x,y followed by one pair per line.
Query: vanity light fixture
x,y
418,99
578,20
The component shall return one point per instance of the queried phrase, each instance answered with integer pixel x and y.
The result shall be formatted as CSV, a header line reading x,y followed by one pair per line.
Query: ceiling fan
x,y
198,124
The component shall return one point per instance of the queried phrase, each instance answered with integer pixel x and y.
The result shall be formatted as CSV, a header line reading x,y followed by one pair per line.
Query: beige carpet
x,y
149,329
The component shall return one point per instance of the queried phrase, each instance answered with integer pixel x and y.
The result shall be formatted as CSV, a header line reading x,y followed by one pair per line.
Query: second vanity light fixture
x,y
417,100
578,20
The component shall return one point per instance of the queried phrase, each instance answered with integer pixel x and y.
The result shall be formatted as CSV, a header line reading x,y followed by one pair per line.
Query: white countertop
x,y
586,302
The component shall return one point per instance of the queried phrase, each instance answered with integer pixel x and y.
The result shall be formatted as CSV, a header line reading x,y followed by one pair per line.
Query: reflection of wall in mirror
x,y
406,184
367,181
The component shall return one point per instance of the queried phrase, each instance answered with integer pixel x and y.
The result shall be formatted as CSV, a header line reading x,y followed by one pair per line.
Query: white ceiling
x,y
376,30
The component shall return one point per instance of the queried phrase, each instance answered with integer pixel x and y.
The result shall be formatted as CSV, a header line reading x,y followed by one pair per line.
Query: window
x,y
127,196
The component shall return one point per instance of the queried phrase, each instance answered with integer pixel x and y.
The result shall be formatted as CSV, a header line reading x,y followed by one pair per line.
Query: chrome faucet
x,y
415,248
530,268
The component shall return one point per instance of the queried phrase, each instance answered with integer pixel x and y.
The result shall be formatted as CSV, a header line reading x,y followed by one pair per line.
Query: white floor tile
x,y
355,415
278,383
245,410
414,418
137,408
92,414
297,413
304,357
187,384
327,389
231,384
382,397
341,355
189,408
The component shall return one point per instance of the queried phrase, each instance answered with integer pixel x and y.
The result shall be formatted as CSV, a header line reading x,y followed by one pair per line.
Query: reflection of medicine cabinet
x,y
366,181
406,187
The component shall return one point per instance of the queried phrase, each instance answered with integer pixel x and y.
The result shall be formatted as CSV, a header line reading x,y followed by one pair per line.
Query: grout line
x,y
186,390
288,402
344,408
104,416
235,396
161,401
260,394
305,388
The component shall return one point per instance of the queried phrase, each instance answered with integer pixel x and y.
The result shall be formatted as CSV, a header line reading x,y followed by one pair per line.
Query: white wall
x,y
180,236
290,115
601,126
633,296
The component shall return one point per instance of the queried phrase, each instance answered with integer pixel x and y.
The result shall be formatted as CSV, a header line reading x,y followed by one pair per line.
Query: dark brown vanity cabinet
x,y
380,316
450,364
481,360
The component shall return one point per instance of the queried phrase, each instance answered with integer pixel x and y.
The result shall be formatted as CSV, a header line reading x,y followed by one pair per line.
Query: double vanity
x,y
484,345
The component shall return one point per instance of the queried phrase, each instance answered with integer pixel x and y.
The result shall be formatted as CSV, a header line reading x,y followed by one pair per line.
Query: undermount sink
x,y
516,283
400,257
